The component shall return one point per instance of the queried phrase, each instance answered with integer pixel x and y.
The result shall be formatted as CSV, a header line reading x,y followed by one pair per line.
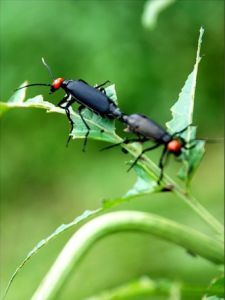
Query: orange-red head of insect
x,y
175,146
57,83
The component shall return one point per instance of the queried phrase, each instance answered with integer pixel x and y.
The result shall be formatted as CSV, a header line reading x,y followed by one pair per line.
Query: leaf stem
x,y
205,215
115,222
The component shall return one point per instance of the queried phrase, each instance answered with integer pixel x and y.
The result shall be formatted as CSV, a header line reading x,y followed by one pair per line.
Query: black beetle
x,y
146,129
93,98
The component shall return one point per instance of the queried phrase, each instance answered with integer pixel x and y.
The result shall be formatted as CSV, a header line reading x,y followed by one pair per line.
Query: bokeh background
x,y
44,184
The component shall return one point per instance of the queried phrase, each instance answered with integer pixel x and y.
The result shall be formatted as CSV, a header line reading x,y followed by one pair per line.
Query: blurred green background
x,y
44,184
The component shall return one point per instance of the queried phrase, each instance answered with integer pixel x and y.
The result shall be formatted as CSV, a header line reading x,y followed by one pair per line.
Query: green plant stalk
x,y
205,215
142,287
115,222
145,286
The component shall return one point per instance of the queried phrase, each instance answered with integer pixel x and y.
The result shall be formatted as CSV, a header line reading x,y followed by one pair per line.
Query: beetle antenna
x,y
47,66
33,84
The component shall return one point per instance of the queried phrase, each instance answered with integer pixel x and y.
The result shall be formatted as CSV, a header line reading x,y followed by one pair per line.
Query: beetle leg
x,y
80,108
70,120
101,88
111,146
68,101
83,81
191,145
64,100
162,163
125,141
101,85
182,130
140,155
188,145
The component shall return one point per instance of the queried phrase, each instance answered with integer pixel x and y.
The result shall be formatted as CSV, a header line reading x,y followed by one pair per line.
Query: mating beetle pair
x,y
96,100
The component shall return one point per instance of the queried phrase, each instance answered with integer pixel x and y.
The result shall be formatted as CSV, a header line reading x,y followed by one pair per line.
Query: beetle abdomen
x,y
142,125
89,96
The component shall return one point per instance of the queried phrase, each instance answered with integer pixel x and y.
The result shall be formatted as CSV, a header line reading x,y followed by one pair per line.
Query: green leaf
x,y
146,183
84,216
17,100
36,102
182,112
111,93
100,129
19,95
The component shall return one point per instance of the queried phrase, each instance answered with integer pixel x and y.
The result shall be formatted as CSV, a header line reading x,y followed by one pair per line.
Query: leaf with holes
x,y
101,129
182,112
17,100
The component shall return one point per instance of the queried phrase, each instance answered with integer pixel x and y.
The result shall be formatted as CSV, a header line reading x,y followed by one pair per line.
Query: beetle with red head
x,y
87,96
146,130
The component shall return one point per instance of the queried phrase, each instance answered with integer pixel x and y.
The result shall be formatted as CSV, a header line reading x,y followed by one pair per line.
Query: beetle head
x,y
175,146
57,84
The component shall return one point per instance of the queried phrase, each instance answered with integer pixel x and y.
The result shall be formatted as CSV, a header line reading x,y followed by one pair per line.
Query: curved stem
x,y
116,222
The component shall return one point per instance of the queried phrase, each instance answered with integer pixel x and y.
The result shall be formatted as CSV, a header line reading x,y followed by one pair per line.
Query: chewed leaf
x,y
19,95
182,110
111,93
100,129
17,101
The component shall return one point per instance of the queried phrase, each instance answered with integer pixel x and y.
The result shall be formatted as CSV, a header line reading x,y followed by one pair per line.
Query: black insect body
x,y
146,129
93,98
